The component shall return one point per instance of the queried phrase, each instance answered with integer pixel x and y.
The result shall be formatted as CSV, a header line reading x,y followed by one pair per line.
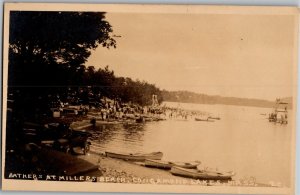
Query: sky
x,y
249,56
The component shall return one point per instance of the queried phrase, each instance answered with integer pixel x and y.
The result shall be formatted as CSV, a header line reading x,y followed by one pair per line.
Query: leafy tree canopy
x,y
49,48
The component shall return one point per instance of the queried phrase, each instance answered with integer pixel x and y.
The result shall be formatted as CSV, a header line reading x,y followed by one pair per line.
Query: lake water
x,y
243,141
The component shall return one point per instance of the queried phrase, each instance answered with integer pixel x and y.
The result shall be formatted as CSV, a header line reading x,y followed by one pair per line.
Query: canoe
x,y
135,156
169,164
206,120
201,174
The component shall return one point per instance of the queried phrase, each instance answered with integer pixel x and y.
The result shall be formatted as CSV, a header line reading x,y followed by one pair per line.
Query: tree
x,y
44,44
47,50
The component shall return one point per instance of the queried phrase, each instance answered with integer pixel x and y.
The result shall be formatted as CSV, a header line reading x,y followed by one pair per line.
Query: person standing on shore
x,y
93,122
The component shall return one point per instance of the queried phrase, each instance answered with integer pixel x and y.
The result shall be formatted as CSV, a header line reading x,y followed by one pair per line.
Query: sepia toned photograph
x,y
149,98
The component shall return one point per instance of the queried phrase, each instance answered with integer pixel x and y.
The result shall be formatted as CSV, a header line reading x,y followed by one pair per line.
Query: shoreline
x,y
128,170
112,170
121,171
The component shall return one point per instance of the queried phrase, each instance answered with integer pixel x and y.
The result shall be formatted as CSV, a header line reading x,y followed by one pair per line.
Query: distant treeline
x,y
191,97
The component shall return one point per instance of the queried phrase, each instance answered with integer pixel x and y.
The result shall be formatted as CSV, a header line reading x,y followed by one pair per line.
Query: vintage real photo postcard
x,y
149,98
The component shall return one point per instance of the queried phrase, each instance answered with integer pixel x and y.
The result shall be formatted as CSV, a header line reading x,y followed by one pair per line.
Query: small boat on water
x,y
214,117
169,164
135,156
201,174
205,120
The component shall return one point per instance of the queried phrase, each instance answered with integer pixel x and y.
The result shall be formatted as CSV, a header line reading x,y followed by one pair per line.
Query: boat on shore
x,y
201,174
169,164
205,120
135,156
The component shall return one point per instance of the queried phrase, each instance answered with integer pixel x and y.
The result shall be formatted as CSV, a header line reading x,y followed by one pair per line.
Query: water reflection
x,y
134,132
118,137
104,133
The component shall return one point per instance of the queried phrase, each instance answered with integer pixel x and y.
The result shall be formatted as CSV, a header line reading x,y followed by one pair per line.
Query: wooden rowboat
x,y
201,174
135,156
205,120
169,164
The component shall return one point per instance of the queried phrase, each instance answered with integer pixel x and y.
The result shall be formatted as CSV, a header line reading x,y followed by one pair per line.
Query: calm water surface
x,y
243,141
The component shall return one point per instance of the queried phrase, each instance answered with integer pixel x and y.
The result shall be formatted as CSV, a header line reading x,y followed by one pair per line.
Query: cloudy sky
x,y
230,55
